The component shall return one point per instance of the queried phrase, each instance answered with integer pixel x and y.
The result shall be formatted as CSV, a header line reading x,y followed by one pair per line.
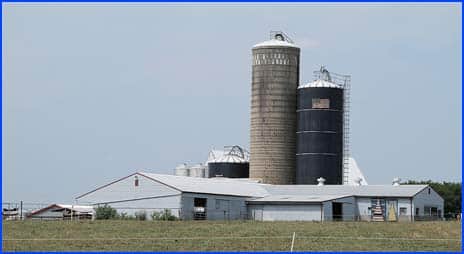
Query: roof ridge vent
x,y
358,181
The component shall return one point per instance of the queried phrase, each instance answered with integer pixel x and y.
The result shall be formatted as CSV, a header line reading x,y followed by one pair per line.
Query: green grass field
x,y
229,236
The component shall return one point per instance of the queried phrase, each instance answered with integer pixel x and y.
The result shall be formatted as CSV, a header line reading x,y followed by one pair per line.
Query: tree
x,y
141,215
449,191
105,212
164,215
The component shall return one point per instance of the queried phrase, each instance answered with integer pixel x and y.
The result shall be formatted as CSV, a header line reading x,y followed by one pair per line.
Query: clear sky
x,y
94,92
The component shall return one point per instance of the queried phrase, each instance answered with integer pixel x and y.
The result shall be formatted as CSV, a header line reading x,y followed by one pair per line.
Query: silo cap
x,y
275,43
320,83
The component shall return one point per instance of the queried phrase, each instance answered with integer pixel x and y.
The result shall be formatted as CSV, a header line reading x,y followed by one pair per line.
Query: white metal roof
x,y
275,43
228,156
250,188
77,208
296,198
346,190
320,83
219,185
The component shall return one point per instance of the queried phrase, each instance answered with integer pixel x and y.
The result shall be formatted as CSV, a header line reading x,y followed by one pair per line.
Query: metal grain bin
x,y
232,162
275,77
182,170
198,170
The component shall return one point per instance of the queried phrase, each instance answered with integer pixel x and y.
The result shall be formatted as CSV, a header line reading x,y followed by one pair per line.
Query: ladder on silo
x,y
345,82
346,128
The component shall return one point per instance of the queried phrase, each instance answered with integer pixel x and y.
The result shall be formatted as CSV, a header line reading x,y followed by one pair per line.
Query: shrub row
x,y
107,212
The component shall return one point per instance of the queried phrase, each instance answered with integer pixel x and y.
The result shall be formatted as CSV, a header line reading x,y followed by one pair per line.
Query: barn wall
x,y
285,212
125,190
406,204
363,206
255,212
348,208
307,212
149,206
126,197
218,207
423,199
327,211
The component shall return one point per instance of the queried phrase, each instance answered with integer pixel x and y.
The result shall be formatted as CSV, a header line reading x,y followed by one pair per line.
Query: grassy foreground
x,y
229,236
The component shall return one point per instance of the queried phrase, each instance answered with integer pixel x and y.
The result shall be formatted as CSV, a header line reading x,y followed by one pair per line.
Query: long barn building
x,y
230,199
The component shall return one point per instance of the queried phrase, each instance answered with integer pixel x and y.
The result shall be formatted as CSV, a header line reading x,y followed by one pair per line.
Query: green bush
x,y
163,215
141,215
105,212
125,216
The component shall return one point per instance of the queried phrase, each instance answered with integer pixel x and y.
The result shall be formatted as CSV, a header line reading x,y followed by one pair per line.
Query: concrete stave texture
x,y
275,78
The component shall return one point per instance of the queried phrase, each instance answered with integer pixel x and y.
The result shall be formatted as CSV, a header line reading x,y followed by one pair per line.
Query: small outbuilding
x,y
62,212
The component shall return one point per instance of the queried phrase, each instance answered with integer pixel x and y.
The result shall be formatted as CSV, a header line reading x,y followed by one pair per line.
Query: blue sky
x,y
93,92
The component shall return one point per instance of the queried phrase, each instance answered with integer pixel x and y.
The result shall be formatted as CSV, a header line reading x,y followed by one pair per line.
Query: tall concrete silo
x,y
275,79
322,129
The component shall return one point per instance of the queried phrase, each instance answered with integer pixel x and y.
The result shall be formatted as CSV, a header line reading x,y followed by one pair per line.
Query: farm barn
x,y
231,199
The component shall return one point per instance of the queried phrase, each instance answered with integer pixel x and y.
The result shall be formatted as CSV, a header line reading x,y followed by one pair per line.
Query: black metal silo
x,y
229,169
319,134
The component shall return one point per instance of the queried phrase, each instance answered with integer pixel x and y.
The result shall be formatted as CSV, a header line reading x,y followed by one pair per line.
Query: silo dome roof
x,y
234,154
320,83
275,43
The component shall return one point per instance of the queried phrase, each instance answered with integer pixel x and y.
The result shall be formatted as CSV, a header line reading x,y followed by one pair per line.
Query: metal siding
x,y
273,114
405,203
126,190
363,212
424,199
310,212
327,211
228,169
348,207
319,137
236,207
255,212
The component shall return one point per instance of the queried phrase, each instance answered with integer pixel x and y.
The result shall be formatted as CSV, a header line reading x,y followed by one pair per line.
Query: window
x,y
429,191
136,181
321,103
417,210
403,210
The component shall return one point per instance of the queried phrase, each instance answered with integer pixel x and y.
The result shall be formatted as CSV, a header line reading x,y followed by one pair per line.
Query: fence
x,y
23,210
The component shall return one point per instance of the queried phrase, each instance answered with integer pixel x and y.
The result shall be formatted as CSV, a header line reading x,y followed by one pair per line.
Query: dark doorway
x,y
337,211
199,208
